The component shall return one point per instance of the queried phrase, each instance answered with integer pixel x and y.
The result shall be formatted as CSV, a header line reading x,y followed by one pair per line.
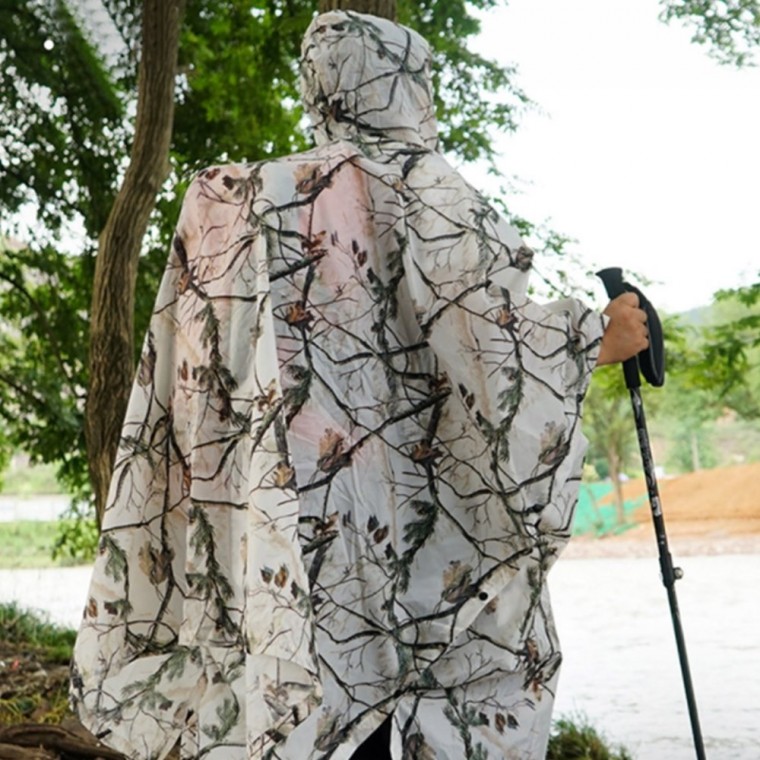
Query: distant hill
x,y
696,317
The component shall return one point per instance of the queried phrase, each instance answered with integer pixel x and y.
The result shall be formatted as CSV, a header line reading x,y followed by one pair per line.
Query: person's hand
x,y
626,334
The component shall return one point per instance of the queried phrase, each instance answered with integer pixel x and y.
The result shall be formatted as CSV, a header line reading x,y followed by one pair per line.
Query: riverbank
x,y
704,538
706,513
620,667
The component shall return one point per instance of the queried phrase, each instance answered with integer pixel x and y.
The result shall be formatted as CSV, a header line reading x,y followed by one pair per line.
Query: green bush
x,y
30,480
574,739
20,626
39,543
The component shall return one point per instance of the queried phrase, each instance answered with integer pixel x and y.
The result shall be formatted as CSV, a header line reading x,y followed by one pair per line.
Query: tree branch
x,y
112,328
382,8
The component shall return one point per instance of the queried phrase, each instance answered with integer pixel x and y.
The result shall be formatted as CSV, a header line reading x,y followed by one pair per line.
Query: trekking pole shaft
x,y
615,285
669,573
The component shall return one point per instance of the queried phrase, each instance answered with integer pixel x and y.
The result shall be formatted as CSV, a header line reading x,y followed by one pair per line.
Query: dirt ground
x,y
706,512
34,720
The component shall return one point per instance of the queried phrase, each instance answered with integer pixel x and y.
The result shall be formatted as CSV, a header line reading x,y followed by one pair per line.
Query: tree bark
x,y
696,464
382,8
111,358
617,484
35,741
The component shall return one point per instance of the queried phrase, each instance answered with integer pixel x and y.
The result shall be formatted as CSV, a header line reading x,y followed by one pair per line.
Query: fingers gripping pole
x,y
651,361
652,366
613,283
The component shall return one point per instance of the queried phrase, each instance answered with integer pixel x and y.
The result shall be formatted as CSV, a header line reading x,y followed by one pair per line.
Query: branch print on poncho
x,y
351,453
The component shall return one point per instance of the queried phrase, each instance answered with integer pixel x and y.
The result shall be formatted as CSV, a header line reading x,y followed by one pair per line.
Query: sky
x,y
643,149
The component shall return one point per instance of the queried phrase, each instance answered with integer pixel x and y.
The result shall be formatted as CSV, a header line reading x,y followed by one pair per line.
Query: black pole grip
x,y
612,278
651,361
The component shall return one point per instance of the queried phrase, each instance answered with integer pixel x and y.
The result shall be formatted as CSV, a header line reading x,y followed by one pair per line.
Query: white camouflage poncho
x,y
351,454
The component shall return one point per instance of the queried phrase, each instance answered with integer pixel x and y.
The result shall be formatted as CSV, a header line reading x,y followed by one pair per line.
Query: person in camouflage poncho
x,y
351,455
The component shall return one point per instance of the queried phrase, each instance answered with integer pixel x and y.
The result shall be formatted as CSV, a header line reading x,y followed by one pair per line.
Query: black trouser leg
x,y
377,746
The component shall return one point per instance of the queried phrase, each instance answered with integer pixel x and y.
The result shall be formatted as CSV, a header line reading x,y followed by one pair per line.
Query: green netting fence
x,y
597,519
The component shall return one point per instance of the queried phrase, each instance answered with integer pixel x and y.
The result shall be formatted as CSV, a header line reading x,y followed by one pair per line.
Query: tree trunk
x,y
382,8
696,464
111,359
617,484
35,741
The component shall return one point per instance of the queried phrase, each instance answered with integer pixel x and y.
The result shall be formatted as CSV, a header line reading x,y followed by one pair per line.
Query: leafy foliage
x,y
62,118
240,101
731,349
67,100
713,373
43,300
730,28
608,423
76,537
576,739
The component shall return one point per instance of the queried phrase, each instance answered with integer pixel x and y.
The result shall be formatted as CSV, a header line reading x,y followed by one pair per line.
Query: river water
x,y
620,662
620,659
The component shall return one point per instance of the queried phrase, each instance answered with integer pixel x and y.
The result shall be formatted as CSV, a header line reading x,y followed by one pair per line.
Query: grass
x,y
35,656
30,543
30,481
574,739
19,626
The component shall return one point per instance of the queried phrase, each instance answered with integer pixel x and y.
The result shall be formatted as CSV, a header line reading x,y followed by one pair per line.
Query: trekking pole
x,y
651,363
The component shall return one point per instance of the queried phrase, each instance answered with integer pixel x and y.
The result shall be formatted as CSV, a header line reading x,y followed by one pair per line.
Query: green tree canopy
x,y
729,28
68,99
725,366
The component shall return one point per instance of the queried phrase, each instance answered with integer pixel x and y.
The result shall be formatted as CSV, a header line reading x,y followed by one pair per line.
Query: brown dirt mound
x,y
727,493
707,512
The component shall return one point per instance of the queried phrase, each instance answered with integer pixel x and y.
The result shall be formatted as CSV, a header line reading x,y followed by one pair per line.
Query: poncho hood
x,y
367,80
